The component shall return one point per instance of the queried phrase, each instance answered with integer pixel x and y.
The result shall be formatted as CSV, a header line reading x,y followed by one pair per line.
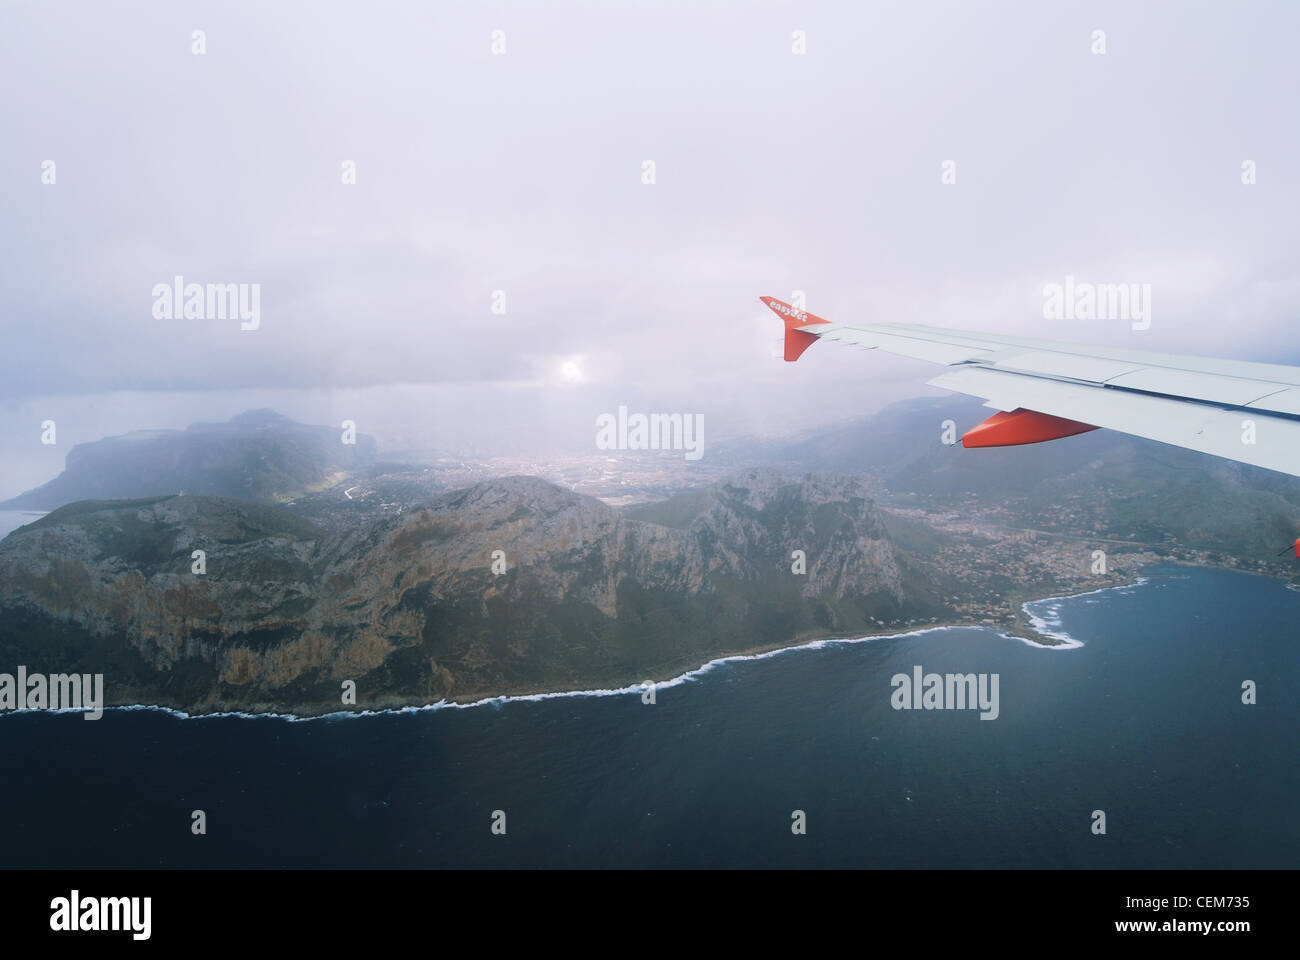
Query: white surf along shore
x,y
1044,618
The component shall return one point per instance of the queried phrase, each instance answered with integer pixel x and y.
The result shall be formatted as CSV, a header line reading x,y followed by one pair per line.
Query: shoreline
x,y
1034,624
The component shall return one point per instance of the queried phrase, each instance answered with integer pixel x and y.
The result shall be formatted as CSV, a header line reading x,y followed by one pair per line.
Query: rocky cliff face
x,y
505,586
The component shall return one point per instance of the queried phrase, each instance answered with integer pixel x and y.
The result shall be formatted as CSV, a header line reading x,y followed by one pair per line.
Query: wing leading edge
x,y
1045,389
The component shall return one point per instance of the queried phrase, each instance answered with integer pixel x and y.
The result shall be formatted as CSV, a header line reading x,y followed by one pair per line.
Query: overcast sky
x,y
522,172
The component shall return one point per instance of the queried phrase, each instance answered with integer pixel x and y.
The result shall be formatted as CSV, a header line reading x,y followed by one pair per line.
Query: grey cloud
x,y
522,173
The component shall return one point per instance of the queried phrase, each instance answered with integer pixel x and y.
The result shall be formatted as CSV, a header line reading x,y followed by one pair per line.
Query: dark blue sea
x,y
1144,721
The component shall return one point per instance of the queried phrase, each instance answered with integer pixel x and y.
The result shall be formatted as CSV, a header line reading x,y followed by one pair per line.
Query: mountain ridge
x,y
258,455
411,608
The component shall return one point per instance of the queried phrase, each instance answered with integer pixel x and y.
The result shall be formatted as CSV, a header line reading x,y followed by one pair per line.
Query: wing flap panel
x,y
1261,440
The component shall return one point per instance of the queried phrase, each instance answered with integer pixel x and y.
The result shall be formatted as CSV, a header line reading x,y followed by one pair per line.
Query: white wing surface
x,y
1045,389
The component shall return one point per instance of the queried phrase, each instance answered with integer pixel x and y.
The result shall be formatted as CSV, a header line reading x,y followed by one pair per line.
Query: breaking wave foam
x,y
1046,623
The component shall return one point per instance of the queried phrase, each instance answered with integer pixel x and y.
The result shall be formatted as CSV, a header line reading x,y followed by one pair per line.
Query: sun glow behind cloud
x,y
571,371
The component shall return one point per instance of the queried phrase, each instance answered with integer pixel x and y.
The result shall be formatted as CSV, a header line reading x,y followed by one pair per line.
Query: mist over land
x,y
479,173
464,256
314,317
254,565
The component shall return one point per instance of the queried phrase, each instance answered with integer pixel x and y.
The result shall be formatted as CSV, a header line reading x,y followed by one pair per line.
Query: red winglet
x,y
796,341
1021,426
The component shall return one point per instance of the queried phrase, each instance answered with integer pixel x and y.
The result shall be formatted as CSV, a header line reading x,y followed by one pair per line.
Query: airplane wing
x,y
1045,389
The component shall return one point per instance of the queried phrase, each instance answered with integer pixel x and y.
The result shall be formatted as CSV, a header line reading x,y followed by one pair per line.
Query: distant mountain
x,y
259,455
401,595
1103,482
411,608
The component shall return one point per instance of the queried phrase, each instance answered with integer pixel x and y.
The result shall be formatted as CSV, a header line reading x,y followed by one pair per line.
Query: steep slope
x,y
413,610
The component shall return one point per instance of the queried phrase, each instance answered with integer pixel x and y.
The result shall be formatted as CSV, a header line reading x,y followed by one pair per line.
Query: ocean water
x,y
1140,717
11,520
